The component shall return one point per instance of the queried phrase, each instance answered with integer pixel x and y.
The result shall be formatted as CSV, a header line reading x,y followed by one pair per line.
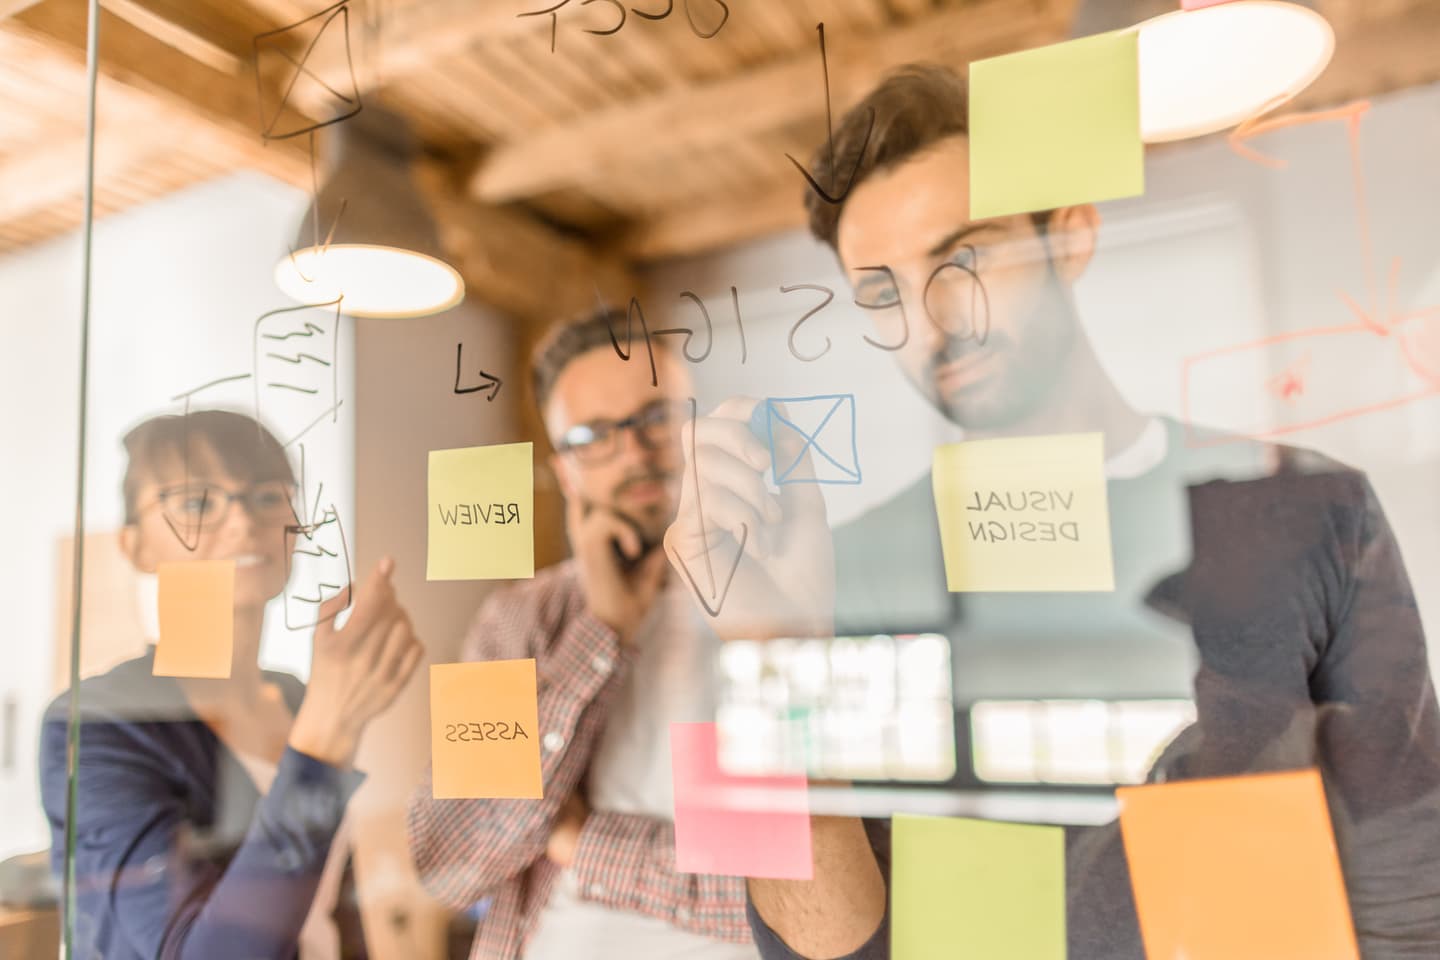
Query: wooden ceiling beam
x,y
515,263
757,101
1376,55
181,90
509,259
714,224
421,34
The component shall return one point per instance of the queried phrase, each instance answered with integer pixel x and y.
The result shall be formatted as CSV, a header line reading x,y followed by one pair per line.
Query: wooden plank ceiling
x,y
605,153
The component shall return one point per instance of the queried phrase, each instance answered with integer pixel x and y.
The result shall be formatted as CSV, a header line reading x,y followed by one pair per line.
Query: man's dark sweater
x,y
1262,582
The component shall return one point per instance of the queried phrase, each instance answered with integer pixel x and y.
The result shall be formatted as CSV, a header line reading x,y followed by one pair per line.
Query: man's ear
x,y
133,547
1072,233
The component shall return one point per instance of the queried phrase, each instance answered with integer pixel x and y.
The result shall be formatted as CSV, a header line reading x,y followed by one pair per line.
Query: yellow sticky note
x,y
1056,126
197,619
482,524
973,888
484,736
1237,867
1024,513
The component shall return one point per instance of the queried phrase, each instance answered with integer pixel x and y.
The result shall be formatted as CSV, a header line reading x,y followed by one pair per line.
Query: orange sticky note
x,y
1237,868
484,730
197,619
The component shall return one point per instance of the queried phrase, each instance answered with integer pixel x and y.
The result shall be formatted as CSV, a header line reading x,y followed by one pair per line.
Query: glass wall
x,y
604,481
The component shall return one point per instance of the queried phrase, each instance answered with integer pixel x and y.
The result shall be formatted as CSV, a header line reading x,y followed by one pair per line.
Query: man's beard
x,y
650,520
1030,364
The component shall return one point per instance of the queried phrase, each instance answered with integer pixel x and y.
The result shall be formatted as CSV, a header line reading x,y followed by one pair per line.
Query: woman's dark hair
x,y
914,108
245,448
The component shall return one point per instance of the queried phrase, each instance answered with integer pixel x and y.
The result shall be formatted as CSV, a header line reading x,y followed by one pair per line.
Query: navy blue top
x,y
177,852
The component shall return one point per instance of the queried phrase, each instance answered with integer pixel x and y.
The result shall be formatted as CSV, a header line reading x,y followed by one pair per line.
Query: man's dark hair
x,y
914,107
567,340
245,448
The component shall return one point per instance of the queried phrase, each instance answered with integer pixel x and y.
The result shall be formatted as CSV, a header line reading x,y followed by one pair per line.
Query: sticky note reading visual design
x,y
1024,513
1056,126
484,736
1237,867
738,826
197,619
973,888
481,502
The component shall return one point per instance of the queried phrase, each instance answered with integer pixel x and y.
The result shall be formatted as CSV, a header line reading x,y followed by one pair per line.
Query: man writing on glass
x,y
589,871
1288,606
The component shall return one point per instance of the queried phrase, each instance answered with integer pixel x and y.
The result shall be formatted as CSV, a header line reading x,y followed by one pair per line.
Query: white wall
x,y
178,286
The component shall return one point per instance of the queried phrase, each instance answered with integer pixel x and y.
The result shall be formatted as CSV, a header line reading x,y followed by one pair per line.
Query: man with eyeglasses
x,y
589,871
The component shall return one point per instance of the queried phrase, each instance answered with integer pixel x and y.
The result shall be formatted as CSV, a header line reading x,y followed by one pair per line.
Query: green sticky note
x,y
481,510
974,888
1056,126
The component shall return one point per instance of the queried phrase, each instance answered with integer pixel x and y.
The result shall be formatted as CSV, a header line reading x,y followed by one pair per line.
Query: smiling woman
x,y
237,785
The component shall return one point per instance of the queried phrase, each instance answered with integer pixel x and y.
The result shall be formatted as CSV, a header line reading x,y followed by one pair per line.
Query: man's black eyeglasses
x,y
654,425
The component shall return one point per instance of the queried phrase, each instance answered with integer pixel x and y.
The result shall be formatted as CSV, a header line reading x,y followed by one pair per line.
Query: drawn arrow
x,y
716,599
820,191
493,384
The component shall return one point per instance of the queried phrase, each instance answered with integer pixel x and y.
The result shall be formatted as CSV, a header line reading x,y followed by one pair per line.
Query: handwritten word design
x,y
954,282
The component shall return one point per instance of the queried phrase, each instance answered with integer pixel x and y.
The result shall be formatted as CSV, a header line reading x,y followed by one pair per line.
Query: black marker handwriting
x,y
690,334
492,383
830,196
979,322
829,296
554,14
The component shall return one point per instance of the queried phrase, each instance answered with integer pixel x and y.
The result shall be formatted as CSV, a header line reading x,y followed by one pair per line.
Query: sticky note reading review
x,y
197,619
1024,513
972,888
731,825
1056,126
484,741
1237,867
481,517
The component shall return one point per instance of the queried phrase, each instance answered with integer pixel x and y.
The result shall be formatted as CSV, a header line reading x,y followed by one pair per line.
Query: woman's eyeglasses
x,y
654,425
204,506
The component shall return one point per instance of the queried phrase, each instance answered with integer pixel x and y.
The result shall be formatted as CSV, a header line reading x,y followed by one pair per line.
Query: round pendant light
x,y
373,242
1211,68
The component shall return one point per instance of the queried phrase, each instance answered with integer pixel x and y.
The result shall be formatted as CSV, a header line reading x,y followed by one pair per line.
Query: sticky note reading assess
x,y
197,619
973,888
481,518
1024,513
738,826
484,737
1237,867
1056,126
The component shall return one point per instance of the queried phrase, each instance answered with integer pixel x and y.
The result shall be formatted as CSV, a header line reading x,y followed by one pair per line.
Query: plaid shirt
x,y
466,850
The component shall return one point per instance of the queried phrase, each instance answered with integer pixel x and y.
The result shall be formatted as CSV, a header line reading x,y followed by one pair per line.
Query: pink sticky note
x,y
1200,4
737,826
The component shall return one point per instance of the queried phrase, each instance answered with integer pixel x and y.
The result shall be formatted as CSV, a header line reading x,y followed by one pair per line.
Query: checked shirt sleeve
x,y
627,861
465,849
